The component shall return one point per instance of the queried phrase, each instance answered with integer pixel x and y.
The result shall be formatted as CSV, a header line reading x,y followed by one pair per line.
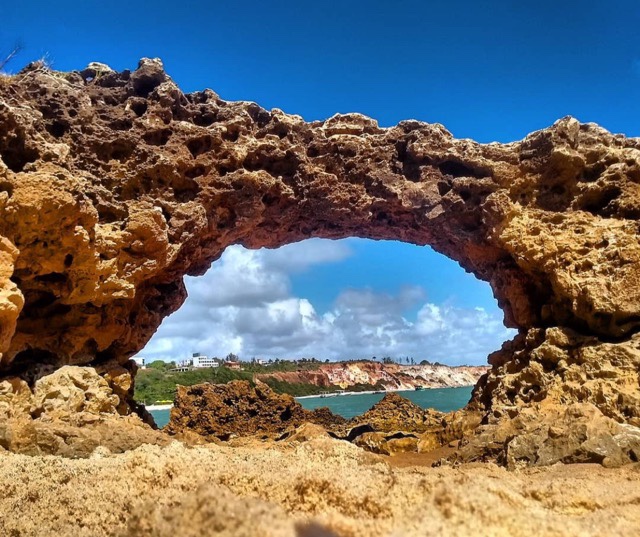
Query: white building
x,y
200,361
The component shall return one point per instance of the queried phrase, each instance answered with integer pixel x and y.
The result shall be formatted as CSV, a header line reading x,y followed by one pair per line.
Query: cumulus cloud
x,y
244,304
300,256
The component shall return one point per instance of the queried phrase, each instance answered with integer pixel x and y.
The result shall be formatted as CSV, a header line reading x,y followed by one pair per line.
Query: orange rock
x,y
113,186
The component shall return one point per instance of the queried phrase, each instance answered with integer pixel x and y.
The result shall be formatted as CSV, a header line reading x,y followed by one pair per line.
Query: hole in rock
x,y
139,106
58,128
195,171
30,360
158,137
121,124
457,169
52,277
144,85
303,306
197,146
205,118
595,202
117,150
16,155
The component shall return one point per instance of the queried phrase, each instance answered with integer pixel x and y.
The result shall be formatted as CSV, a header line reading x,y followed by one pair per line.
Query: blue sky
x,y
492,71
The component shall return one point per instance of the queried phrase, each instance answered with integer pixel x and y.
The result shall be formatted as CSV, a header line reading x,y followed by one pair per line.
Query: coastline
x,y
382,392
334,394
158,407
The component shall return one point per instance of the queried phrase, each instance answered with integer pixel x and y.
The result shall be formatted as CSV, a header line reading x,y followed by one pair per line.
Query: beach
x,y
152,408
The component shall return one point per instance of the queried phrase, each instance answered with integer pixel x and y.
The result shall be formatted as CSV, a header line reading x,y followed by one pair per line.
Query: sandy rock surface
x,y
545,434
320,488
69,412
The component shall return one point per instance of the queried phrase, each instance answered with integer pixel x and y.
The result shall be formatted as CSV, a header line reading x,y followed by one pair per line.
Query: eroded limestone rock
x,y
237,409
70,412
113,186
395,413
545,434
71,390
561,366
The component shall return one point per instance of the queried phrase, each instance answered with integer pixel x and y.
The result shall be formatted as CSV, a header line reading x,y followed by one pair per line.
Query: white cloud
x,y
238,278
244,305
300,256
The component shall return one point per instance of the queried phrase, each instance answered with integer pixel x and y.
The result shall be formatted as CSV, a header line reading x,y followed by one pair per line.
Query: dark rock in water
x,y
395,413
396,425
240,409
323,416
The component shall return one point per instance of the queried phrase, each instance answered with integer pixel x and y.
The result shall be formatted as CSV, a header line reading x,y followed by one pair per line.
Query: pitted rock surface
x,y
395,413
237,409
70,412
546,434
114,185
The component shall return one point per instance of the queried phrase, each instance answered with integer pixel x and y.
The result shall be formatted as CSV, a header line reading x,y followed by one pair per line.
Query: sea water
x,y
348,406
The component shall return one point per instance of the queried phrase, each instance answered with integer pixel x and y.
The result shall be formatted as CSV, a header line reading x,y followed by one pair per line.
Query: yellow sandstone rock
x,y
114,185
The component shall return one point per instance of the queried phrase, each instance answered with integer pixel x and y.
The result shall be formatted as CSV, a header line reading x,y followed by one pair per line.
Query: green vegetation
x,y
297,389
160,365
280,366
157,383
154,384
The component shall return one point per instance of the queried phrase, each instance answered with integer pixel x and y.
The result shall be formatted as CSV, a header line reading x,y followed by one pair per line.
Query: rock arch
x,y
114,185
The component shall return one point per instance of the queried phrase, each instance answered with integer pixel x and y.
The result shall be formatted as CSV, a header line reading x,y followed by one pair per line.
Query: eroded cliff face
x,y
386,376
113,186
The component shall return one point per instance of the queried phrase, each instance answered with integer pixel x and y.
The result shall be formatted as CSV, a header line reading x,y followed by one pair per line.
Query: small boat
x,y
327,394
419,388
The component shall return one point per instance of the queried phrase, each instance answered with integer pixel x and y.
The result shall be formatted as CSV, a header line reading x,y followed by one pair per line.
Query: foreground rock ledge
x,y
113,186
319,488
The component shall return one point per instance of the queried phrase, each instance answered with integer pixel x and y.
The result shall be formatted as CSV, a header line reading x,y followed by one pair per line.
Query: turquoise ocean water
x,y
442,399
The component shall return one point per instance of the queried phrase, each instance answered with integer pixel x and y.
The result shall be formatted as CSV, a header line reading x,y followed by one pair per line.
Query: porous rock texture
x,y
237,410
70,412
222,411
114,185
546,434
319,488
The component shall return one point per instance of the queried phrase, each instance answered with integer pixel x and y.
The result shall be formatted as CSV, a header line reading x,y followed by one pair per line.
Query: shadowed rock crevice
x,y
116,185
